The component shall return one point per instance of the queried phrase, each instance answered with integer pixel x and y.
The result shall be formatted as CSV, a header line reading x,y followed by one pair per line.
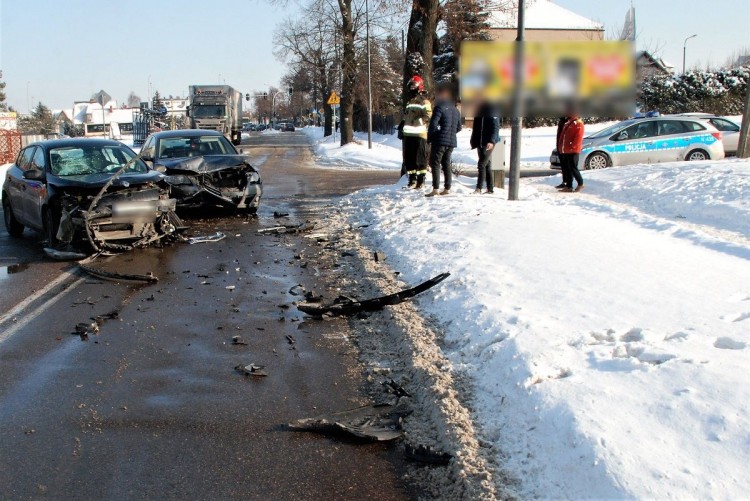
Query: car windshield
x,y
611,129
94,159
208,111
194,146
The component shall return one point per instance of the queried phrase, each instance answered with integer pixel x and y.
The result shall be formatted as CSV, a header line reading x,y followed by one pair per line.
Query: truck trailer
x,y
216,107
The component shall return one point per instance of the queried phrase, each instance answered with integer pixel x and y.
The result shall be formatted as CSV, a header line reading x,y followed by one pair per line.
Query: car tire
x,y
596,161
14,228
51,225
697,156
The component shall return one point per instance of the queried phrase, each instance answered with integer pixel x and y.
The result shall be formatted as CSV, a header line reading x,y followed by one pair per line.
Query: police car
x,y
649,140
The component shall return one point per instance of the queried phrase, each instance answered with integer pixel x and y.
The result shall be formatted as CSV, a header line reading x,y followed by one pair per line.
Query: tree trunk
x,y
744,147
348,72
421,41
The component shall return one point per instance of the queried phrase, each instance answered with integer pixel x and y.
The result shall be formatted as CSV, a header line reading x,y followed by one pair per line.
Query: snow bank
x,y
537,145
608,354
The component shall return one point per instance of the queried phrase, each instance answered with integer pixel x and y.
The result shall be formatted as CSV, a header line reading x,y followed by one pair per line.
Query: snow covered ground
x,y
386,149
605,334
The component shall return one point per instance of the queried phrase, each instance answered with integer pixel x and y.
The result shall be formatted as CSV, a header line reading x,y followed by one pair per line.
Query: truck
x,y
216,107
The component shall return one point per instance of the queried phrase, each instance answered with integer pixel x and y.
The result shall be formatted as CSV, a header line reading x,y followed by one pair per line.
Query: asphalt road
x,y
152,407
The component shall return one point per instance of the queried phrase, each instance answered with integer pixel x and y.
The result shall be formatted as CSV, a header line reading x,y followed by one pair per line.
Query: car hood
x,y
97,181
205,164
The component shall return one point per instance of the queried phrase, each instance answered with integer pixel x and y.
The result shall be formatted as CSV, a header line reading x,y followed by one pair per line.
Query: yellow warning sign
x,y
334,98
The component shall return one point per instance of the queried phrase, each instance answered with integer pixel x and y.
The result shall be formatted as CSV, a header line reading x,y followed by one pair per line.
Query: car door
x,y
635,144
674,139
35,194
730,134
17,184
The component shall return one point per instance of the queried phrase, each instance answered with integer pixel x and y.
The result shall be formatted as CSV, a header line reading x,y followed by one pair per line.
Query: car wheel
x,y
14,228
697,156
596,161
51,225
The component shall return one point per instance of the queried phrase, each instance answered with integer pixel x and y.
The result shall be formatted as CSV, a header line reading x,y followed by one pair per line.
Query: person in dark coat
x,y
484,136
567,176
441,134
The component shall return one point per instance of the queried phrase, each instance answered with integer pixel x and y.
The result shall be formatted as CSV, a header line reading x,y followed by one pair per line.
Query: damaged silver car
x,y
92,193
204,170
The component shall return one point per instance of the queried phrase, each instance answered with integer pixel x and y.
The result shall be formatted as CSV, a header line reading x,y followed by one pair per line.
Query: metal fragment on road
x,y
216,237
59,255
372,423
251,370
426,454
237,340
347,306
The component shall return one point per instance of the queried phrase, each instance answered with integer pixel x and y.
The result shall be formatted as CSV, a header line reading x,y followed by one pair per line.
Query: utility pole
x,y
369,78
517,113
684,51
743,151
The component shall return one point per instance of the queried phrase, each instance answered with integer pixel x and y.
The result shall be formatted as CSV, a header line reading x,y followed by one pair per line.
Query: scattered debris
x,y
83,329
206,238
426,454
379,257
395,388
230,287
290,339
63,255
237,340
114,276
297,290
374,423
348,306
288,229
347,254
278,215
251,370
311,297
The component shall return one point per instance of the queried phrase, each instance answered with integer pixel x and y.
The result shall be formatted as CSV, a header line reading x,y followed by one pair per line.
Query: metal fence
x,y
384,124
142,124
10,145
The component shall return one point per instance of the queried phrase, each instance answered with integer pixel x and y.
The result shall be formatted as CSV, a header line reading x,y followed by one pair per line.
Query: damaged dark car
x,y
87,193
204,170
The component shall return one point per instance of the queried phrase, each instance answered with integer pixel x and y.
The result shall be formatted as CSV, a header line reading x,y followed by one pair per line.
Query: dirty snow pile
x,y
605,335
537,144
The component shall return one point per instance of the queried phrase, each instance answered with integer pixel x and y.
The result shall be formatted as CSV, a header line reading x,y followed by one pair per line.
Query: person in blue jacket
x,y
484,136
441,134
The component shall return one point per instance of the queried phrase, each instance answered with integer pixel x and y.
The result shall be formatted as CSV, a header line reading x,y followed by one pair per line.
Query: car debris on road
x,y
251,370
348,306
216,237
372,423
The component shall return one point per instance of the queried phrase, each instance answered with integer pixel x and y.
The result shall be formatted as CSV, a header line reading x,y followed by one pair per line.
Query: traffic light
x,y
265,95
291,90
247,97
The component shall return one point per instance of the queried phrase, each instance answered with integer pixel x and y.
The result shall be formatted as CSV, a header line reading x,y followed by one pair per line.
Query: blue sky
x,y
64,50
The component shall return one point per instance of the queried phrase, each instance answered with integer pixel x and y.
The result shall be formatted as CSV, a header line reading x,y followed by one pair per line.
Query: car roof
x,y
186,133
76,142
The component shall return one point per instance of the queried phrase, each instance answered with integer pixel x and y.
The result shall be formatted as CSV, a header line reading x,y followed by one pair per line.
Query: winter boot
x,y
433,193
560,186
420,182
477,192
567,189
579,188
446,191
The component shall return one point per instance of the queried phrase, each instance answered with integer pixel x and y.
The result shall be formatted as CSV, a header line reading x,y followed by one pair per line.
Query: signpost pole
x,y
517,115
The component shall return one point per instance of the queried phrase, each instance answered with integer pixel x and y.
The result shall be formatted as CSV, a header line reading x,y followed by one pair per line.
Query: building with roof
x,y
648,65
544,21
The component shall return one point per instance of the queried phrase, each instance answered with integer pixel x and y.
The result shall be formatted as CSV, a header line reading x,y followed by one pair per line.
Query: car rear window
x,y
693,126
194,146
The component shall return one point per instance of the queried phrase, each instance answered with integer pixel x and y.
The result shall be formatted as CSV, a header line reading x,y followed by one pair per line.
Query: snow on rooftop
x,y
544,15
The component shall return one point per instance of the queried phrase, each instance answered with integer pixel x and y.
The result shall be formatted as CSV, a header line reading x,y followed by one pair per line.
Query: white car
x,y
650,140
730,130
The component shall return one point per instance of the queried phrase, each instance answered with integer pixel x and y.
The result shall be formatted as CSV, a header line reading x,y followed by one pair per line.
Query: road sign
x,y
334,98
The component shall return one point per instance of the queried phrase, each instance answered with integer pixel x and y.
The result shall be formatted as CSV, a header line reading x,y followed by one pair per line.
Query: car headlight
x,y
178,180
254,177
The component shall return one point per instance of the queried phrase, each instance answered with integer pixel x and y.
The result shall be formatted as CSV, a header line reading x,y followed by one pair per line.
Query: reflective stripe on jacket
x,y
416,117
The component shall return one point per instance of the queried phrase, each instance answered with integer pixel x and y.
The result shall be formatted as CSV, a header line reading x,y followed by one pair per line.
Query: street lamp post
x,y
519,70
684,51
273,109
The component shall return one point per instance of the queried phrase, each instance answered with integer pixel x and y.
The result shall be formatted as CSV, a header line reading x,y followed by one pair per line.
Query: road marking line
x,y
20,307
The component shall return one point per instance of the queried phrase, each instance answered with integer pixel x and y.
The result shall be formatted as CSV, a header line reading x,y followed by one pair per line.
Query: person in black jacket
x,y
441,134
484,136
567,176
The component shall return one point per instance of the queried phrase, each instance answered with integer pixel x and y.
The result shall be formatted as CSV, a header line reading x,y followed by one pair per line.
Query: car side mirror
x,y
34,174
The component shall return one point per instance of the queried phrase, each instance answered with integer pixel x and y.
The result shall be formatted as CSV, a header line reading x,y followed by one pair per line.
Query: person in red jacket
x,y
569,149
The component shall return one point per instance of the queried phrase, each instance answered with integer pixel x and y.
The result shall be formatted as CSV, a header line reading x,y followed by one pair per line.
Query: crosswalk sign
x,y
334,98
